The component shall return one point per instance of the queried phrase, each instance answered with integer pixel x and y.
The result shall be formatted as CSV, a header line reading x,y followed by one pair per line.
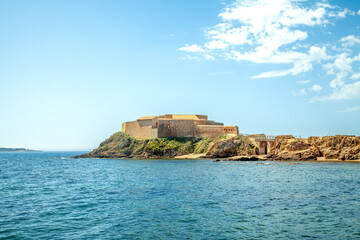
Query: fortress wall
x,y
168,116
203,131
231,130
209,122
123,127
155,122
204,117
154,133
176,128
200,122
134,129
184,117
144,123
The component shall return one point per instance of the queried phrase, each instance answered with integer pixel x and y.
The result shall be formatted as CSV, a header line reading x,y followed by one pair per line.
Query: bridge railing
x,y
262,137
265,138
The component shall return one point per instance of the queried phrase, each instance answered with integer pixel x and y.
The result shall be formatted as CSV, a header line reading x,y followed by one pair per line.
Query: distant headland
x,y
17,150
194,136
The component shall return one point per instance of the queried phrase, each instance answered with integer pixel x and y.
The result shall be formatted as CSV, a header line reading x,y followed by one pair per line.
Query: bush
x,y
203,145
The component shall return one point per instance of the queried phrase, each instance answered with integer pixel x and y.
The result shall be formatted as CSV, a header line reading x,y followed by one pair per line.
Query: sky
x,y
72,71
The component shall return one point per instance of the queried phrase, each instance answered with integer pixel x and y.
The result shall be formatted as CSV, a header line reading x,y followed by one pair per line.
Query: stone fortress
x,y
173,125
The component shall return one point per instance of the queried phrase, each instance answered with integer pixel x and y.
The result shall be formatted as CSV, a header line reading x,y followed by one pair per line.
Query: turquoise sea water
x,y
49,196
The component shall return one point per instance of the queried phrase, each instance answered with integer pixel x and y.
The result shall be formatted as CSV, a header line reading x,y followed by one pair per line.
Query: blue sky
x,y
72,71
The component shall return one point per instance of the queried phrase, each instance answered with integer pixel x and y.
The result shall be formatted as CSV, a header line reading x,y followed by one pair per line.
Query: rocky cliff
x,y
340,147
121,145
285,147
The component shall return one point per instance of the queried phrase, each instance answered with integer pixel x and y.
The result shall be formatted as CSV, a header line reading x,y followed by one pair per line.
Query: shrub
x,y
203,145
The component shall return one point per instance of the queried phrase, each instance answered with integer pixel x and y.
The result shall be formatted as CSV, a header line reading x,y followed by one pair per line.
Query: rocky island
x,y
285,147
194,136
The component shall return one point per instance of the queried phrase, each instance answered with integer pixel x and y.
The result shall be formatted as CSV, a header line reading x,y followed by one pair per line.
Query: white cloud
x,y
359,12
198,57
265,25
341,68
316,88
346,92
352,109
303,82
261,31
216,45
350,41
190,57
300,93
279,32
278,73
346,11
302,64
192,48
263,55
209,57
259,13
229,34
355,76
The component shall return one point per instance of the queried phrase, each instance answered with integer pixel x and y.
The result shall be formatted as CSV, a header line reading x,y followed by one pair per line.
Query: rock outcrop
x,y
121,145
285,147
235,146
340,147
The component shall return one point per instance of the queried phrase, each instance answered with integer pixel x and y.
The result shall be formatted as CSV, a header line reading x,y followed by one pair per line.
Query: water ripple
x,y
50,196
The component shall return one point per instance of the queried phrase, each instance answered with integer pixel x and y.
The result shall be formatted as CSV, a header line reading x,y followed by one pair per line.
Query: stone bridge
x,y
264,142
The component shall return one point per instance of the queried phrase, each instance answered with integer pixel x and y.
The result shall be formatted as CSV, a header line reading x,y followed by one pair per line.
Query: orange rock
x,y
340,147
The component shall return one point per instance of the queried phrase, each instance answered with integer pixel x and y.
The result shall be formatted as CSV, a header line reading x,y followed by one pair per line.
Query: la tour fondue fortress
x,y
172,125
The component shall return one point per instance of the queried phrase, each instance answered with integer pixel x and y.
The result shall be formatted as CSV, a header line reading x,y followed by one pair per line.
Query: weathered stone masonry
x,y
171,125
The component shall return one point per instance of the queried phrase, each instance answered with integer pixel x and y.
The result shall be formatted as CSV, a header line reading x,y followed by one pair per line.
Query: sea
x,y
48,195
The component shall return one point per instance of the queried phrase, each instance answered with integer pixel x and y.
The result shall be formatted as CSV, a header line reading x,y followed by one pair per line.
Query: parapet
x,y
184,117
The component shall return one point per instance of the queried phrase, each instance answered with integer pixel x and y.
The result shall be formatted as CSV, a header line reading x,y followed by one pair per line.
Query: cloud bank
x,y
273,32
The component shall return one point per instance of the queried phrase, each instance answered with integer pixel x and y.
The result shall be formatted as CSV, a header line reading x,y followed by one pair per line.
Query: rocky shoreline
x,y
341,147
230,148
121,145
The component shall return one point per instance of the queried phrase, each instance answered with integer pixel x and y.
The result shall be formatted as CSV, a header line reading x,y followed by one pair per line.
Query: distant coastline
x,y
18,150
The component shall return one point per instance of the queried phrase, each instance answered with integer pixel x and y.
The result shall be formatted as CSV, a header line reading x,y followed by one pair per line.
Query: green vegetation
x,y
203,145
123,145
221,137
